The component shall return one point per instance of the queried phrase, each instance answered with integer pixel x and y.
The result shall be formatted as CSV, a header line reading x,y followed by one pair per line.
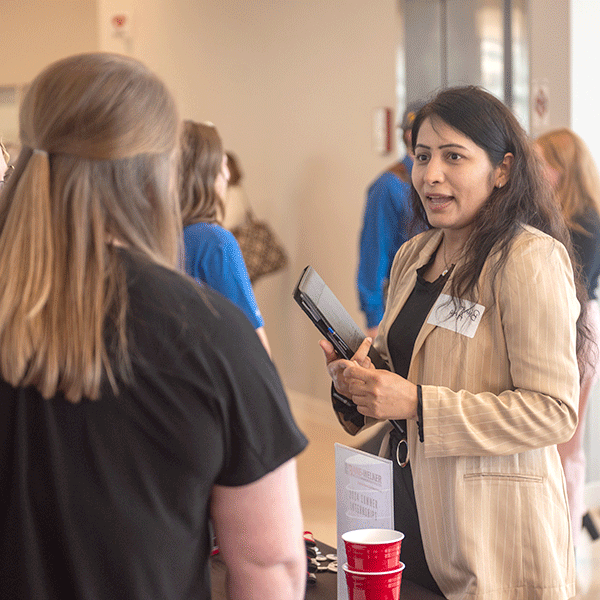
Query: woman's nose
x,y
434,172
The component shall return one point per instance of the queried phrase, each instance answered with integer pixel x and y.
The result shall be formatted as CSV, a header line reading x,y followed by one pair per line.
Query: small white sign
x,y
364,498
540,104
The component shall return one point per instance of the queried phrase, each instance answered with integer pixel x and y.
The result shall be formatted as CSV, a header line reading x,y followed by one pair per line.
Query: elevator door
x,y
459,42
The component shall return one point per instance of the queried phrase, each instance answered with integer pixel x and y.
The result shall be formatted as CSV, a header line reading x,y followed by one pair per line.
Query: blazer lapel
x,y
402,293
427,328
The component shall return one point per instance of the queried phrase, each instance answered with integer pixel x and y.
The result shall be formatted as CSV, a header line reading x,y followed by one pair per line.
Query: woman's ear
x,y
503,170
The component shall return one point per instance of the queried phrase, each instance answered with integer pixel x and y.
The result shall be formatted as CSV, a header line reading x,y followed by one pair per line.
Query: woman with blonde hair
x,y
132,404
574,176
212,254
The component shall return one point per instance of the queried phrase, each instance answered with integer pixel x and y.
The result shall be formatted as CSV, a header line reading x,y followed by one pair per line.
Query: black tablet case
x,y
331,318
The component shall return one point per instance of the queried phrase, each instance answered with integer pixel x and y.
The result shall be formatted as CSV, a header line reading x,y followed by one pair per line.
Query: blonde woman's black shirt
x,y
110,499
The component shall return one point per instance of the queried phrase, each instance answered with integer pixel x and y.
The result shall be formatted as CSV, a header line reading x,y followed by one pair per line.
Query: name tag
x,y
464,320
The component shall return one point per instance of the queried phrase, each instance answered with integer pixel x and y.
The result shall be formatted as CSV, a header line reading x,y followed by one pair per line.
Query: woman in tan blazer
x,y
481,333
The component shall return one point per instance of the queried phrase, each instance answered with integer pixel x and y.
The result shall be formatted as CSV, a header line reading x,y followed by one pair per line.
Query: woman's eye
x,y
454,156
421,157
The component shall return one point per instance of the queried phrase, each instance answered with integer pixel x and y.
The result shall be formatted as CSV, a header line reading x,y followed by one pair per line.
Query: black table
x,y
324,589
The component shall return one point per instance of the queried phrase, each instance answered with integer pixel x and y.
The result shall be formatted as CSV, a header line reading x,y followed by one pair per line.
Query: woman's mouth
x,y
438,201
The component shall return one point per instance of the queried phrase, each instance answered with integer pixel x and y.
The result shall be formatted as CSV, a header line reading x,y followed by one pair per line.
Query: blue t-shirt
x,y
386,220
213,257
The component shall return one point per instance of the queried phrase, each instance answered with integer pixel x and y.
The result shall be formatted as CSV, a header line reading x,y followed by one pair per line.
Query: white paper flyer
x,y
364,498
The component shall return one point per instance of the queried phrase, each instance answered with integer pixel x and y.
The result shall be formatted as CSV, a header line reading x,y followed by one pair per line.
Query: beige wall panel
x,y
551,58
35,33
291,87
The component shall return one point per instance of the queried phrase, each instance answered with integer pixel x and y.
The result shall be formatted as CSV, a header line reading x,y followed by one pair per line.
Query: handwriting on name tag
x,y
463,318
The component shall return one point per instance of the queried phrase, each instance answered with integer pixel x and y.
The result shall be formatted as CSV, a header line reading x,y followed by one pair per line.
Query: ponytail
x,y
27,248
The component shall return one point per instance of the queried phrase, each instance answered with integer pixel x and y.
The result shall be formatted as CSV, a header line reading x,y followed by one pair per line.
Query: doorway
x,y
446,43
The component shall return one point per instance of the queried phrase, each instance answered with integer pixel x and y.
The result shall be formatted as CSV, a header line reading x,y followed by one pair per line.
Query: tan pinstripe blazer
x,y
489,485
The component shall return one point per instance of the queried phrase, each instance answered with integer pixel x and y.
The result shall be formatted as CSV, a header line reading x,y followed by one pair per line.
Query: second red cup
x,y
373,586
374,550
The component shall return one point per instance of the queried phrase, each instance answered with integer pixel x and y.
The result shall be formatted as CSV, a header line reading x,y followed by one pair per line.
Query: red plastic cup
x,y
373,586
376,550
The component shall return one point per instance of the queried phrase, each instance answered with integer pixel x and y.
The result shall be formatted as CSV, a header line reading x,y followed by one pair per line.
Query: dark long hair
x,y
525,199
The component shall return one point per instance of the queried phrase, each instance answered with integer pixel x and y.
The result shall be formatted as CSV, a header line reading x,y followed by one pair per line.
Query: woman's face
x,y
222,179
452,175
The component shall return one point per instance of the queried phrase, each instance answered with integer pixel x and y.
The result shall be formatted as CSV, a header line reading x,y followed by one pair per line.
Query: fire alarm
x,y
121,24
382,130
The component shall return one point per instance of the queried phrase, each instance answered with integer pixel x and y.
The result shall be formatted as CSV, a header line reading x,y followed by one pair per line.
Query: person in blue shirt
x,y
212,254
386,226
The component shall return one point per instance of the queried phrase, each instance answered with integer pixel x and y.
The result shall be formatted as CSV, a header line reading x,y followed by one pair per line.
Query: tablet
x,y
331,318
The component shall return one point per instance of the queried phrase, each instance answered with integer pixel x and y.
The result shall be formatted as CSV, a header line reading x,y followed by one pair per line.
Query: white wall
x,y
550,58
34,34
291,86
330,66
585,53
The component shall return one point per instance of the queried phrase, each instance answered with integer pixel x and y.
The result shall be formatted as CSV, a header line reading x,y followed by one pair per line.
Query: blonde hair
x,y
578,187
98,131
201,159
